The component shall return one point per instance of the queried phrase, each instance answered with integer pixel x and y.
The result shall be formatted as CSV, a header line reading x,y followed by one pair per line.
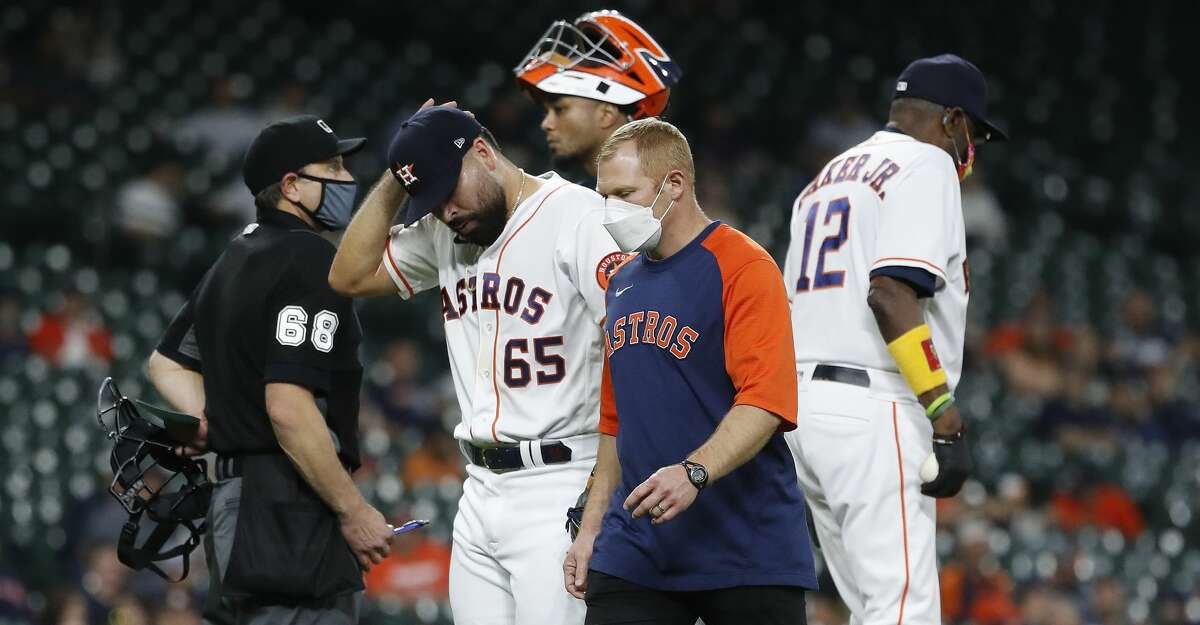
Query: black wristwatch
x,y
696,474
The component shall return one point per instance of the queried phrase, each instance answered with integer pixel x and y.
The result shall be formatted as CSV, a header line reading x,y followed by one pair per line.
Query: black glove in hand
x,y
575,514
954,465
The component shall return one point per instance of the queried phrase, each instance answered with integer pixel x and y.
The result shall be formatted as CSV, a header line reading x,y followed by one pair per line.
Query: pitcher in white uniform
x,y
521,263
879,282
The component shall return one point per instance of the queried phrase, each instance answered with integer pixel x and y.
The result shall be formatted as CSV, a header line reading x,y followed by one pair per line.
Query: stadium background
x,y
123,125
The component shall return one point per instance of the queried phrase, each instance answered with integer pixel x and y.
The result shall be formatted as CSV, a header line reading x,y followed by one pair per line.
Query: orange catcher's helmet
x,y
604,56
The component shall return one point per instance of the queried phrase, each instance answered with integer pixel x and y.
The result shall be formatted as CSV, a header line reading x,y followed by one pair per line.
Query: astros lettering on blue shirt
x,y
649,327
488,296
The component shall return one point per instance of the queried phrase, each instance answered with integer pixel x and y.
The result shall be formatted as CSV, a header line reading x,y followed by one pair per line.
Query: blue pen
x,y
409,526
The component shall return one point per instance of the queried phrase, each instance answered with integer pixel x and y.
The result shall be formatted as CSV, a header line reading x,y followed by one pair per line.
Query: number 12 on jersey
x,y
832,243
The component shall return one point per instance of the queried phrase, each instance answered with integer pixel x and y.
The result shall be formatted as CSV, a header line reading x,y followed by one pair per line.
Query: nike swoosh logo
x,y
620,291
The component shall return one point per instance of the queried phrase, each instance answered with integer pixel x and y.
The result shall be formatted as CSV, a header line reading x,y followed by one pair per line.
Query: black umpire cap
x,y
426,156
949,80
289,144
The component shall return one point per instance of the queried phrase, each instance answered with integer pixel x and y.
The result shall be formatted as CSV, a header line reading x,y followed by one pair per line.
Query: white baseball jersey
x,y
522,316
889,205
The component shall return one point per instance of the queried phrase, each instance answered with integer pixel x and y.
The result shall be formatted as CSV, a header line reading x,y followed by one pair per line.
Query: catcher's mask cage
x,y
149,478
590,58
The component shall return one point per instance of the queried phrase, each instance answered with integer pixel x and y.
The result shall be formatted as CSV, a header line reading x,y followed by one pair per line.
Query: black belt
x,y
507,457
228,467
845,375
231,466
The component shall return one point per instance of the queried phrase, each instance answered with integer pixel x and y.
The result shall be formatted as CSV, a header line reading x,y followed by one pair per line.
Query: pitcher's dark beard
x,y
491,218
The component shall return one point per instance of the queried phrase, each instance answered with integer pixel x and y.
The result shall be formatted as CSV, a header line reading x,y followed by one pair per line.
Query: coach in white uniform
x,y
879,277
521,263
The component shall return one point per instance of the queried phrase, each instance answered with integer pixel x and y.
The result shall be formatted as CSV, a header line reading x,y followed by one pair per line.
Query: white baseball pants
x,y
858,452
510,539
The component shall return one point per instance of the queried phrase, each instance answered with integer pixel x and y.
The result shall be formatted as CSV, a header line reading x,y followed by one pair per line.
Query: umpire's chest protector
x,y
288,544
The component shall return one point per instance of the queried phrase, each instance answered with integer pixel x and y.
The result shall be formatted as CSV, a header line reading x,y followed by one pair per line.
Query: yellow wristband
x,y
917,360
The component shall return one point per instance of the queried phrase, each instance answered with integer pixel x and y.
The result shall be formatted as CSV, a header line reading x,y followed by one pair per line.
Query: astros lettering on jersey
x,y
521,316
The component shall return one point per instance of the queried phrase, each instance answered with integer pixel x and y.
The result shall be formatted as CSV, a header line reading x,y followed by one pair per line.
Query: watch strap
x,y
688,465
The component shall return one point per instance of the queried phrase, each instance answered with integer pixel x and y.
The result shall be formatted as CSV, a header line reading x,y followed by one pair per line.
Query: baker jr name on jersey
x,y
850,168
649,327
516,298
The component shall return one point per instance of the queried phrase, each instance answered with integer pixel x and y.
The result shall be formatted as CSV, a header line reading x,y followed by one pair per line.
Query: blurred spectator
x,y
66,607
1035,605
1063,611
1091,500
229,205
71,57
437,460
418,567
1011,506
104,583
1179,418
1045,606
128,610
395,386
74,335
1142,342
842,126
147,212
1107,602
80,47
12,338
1170,610
974,587
1130,401
983,216
1075,420
225,127
14,600
1030,351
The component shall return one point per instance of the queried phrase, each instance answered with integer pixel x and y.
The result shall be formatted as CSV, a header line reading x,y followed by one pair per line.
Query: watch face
x,y
698,475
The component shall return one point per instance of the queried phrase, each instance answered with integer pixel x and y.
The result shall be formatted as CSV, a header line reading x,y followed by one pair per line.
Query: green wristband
x,y
939,406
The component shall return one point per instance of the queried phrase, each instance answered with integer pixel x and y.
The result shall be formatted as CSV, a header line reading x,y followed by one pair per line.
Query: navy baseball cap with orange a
x,y
952,81
426,156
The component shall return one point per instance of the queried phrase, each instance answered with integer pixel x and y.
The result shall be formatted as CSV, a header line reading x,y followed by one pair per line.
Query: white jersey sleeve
x,y
410,258
589,255
916,224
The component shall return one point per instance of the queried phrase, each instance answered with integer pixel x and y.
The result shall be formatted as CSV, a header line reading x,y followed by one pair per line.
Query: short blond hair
x,y
660,147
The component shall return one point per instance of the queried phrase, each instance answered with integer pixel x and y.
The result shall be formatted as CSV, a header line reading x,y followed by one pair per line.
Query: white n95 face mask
x,y
633,226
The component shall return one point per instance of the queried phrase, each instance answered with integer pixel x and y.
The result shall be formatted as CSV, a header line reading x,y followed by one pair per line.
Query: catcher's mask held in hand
x,y
149,478
603,56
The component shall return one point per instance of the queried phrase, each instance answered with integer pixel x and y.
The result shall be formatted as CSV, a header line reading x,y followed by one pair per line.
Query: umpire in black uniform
x,y
269,353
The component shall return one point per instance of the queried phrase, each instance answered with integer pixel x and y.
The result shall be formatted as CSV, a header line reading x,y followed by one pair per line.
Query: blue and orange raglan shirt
x,y
689,337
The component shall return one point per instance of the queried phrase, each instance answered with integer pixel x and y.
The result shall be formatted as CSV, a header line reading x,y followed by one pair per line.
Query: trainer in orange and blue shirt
x,y
695,511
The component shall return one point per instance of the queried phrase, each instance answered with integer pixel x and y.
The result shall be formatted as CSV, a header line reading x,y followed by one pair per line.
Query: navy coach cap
x,y
289,144
426,156
949,80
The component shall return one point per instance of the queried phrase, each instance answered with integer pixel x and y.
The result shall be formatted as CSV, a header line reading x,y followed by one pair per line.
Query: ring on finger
x,y
656,511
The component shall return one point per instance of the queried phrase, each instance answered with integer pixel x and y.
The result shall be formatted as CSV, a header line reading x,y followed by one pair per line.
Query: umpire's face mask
x,y
172,492
337,202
